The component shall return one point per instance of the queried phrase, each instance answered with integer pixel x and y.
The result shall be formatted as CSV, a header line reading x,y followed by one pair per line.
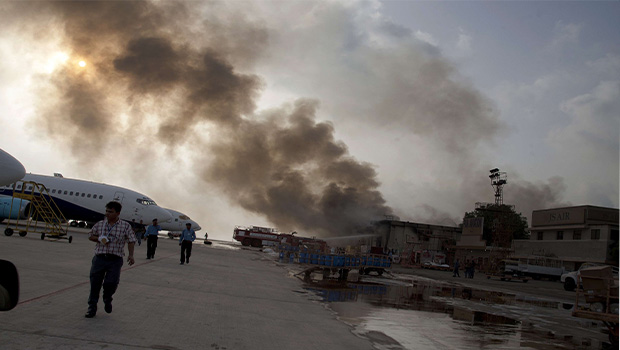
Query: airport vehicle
x,y
177,223
536,267
85,201
256,236
508,270
573,279
598,298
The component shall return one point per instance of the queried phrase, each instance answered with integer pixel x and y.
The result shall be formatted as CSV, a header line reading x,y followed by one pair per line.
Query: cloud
x,y
464,44
565,34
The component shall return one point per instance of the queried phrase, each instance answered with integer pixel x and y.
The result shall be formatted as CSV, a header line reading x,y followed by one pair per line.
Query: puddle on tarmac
x,y
424,314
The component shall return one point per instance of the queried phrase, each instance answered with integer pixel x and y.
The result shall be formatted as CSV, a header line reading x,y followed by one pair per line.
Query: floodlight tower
x,y
498,180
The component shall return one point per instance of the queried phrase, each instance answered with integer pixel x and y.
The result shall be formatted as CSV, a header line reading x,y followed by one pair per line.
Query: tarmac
x,y
225,298
234,297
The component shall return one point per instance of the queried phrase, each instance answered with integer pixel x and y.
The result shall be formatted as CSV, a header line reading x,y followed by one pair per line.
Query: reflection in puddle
x,y
425,314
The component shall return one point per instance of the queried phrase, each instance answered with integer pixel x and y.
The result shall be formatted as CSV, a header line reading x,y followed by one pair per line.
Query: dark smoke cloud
x,y
293,170
528,196
175,69
287,166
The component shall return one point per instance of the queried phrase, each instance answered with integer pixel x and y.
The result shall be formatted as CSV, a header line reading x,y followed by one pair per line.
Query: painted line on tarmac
x,y
60,291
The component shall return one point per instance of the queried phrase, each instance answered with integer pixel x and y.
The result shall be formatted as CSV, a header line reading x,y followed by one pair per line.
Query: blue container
x,y
291,258
315,259
377,261
363,261
347,261
328,260
322,260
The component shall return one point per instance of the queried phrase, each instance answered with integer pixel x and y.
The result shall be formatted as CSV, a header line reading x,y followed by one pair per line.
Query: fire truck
x,y
257,236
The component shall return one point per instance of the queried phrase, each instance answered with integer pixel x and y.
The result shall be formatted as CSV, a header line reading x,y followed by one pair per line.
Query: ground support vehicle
x,y
573,279
598,300
332,263
507,270
537,267
434,266
257,236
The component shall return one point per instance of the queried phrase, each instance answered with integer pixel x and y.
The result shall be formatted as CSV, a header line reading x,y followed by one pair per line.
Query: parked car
x,y
572,279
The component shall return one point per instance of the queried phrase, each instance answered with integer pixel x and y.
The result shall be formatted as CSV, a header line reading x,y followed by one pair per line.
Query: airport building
x,y
418,243
574,235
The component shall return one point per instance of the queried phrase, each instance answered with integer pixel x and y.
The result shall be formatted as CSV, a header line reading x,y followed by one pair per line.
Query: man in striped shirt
x,y
110,234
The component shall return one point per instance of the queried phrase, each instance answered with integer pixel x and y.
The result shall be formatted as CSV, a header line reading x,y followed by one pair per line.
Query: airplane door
x,y
118,197
136,216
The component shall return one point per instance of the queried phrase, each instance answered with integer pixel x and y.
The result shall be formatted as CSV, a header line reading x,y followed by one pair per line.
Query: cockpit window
x,y
184,217
146,201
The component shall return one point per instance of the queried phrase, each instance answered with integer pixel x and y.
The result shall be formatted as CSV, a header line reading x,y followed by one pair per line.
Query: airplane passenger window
x,y
71,193
65,192
77,194
88,196
100,197
53,191
83,195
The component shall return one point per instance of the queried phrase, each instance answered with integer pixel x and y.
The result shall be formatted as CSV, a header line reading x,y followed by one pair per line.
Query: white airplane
x,y
85,201
176,225
11,169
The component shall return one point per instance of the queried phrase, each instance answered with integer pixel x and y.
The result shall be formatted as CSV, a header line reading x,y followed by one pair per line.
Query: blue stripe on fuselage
x,y
71,211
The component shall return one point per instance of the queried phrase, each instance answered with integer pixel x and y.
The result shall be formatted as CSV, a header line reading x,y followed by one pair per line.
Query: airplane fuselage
x,y
85,200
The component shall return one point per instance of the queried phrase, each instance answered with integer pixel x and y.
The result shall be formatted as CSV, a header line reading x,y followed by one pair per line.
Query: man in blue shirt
x,y
185,241
151,239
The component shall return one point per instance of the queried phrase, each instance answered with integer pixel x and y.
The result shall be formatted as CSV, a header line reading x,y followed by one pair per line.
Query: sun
x,y
82,64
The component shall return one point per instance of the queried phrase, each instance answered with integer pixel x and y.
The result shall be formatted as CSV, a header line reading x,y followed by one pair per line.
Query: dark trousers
x,y
151,245
186,250
105,271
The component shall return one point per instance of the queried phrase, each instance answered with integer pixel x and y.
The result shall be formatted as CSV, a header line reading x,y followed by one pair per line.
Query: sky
x,y
318,116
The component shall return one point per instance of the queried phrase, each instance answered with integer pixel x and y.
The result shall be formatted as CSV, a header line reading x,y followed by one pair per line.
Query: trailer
x,y
598,299
330,264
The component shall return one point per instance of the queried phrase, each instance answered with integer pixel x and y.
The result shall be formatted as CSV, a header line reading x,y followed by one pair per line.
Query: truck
x,y
258,236
536,267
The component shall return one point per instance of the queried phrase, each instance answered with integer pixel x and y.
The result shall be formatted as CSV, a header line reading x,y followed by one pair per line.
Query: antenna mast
x,y
498,180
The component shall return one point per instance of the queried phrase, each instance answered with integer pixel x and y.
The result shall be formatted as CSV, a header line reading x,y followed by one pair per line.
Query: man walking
x,y
187,237
457,265
151,239
105,271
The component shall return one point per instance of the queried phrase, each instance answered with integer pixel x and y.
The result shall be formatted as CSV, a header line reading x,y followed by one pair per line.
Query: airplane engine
x,y
18,211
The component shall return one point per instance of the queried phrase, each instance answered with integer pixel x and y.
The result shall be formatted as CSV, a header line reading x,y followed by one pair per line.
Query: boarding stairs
x,y
42,208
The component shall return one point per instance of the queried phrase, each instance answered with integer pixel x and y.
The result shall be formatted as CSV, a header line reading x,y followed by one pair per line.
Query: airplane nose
x,y
162,215
12,169
196,226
